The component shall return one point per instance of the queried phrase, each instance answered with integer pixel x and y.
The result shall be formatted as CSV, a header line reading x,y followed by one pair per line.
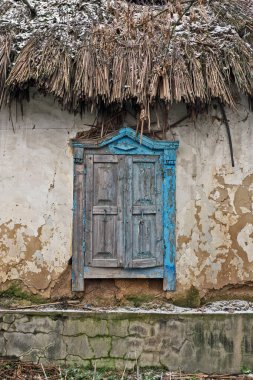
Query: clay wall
x,y
214,224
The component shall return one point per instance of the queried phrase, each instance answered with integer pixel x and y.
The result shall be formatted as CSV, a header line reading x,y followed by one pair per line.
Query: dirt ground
x,y
14,370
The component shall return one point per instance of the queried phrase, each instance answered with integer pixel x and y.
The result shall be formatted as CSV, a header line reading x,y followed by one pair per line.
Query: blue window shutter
x,y
104,209
124,209
144,232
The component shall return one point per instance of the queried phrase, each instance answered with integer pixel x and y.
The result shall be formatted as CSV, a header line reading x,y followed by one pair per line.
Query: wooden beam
x,y
78,227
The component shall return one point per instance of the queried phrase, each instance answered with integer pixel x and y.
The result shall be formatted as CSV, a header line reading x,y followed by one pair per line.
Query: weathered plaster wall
x,y
124,340
36,193
214,202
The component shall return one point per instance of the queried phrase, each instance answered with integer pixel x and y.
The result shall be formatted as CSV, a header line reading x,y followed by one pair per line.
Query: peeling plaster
x,y
245,240
214,200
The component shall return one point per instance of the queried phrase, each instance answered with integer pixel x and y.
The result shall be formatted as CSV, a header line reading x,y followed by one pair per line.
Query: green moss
x,y
14,292
227,297
138,300
245,370
191,299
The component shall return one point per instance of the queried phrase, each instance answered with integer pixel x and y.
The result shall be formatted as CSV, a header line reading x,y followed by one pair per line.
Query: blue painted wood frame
x,y
126,142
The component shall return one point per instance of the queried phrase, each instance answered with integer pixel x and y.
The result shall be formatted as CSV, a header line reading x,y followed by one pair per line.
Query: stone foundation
x,y
192,342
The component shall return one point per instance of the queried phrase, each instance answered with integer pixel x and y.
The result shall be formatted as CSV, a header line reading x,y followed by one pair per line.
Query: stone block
x,y
134,348
149,359
126,348
4,326
18,322
32,356
37,324
101,346
73,359
79,346
187,351
174,341
139,329
103,363
118,327
30,345
2,346
57,350
88,326
119,347
9,318
170,359
125,364
46,361
152,343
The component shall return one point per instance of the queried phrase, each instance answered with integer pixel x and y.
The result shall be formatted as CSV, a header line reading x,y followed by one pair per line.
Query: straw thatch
x,y
110,53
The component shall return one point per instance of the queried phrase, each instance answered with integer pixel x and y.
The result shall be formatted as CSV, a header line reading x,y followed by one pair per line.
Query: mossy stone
x,y
192,299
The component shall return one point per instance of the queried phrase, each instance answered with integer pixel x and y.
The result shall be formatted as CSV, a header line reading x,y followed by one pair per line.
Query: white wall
x,y
214,200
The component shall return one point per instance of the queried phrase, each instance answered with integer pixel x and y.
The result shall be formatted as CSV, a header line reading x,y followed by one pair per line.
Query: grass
x,y
139,300
14,292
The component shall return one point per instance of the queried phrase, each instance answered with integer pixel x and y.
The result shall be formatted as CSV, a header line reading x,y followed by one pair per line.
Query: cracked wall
x,y
124,340
214,203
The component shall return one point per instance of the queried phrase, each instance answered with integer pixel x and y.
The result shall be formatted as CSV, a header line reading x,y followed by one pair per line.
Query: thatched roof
x,y
108,52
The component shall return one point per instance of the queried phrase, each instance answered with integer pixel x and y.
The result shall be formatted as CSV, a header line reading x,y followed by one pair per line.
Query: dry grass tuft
x,y
191,51
5,49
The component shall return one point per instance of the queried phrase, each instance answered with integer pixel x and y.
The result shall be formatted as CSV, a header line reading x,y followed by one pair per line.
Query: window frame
x,y
124,142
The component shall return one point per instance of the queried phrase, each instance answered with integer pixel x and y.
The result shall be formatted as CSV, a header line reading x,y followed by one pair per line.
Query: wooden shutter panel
x,y
144,231
104,205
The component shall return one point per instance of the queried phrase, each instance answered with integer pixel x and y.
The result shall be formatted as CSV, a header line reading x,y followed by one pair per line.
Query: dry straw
x,y
192,51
